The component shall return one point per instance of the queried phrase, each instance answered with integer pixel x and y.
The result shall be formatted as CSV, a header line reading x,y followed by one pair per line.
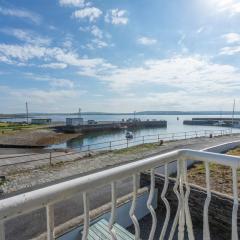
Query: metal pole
x,y
233,115
27,111
110,145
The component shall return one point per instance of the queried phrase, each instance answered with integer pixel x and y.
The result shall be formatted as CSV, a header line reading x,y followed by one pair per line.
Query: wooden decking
x,y
99,231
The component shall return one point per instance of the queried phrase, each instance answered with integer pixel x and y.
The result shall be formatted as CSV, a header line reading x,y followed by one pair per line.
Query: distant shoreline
x,y
174,113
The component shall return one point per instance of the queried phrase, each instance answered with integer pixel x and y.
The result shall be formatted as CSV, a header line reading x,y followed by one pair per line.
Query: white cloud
x,y
26,36
230,6
192,74
54,65
52,57
54,82
96,43
231,37
116,16
146,41
201,29
230,50
92,13
21,14
74,3
96,31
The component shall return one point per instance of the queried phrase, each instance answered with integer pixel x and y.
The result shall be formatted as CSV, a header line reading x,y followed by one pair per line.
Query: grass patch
x,y
220,176
234,152
15,127
136,149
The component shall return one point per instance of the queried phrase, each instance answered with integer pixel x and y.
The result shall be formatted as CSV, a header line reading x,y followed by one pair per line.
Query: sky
x,y
119,56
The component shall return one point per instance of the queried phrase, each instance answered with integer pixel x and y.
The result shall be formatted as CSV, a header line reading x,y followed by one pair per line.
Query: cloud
x,y
191,74
230,50
54,82
96,43
116,17
230,6
231,37
20,13
201,29
50,57
92,13
72,3
146,41
26,36
96,31
54,65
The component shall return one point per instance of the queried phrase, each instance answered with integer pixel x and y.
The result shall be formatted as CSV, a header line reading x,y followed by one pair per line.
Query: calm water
x,y
174,126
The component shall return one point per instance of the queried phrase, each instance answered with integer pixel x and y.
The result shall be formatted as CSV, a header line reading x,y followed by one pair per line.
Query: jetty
x,y
223,122
92,126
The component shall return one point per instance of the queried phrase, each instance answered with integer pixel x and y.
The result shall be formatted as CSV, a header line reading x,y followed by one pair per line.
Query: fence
x,y
52,156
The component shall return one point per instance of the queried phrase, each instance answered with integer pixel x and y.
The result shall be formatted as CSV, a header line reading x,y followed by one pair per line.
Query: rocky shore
x,y
34,138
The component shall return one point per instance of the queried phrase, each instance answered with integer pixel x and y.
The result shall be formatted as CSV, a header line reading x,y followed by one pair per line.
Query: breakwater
x,y
224,122
105,125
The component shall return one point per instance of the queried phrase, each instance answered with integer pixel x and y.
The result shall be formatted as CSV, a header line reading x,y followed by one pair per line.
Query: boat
x,y
129,135
219,123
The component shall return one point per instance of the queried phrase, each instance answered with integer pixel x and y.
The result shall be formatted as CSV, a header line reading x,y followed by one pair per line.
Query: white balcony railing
x,y
48,196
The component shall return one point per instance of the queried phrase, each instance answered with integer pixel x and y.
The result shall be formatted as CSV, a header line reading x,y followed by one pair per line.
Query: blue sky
x,y
119,56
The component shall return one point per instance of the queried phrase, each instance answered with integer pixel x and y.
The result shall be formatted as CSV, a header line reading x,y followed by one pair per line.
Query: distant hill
x,y
23,115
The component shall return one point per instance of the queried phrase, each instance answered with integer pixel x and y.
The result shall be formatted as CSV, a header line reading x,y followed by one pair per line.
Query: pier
x,y
116,125
223,122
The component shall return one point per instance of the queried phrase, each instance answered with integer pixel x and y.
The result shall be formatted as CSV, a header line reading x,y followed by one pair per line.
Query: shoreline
x,y
38,138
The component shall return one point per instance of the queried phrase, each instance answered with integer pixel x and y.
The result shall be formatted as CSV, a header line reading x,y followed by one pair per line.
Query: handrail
x,y
46,197
33,200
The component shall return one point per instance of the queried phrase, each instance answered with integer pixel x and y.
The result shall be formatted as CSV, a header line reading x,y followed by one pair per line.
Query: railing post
x,y
181,226
2,231
50,222
110,145
86,216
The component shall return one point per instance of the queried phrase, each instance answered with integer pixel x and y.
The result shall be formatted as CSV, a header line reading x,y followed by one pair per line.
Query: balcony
x,y
166,218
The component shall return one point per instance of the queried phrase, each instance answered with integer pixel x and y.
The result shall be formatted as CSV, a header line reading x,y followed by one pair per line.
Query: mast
x,y
79,112
27,111
233,112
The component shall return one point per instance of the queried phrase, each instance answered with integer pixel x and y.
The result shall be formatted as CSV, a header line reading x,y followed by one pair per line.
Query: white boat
x,y
129,135
219,123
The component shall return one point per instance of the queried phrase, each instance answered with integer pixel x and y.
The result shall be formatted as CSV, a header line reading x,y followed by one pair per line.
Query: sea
x,y
117,139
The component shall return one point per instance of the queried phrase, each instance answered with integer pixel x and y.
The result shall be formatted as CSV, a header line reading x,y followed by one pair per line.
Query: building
x,y
74,121
41,121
